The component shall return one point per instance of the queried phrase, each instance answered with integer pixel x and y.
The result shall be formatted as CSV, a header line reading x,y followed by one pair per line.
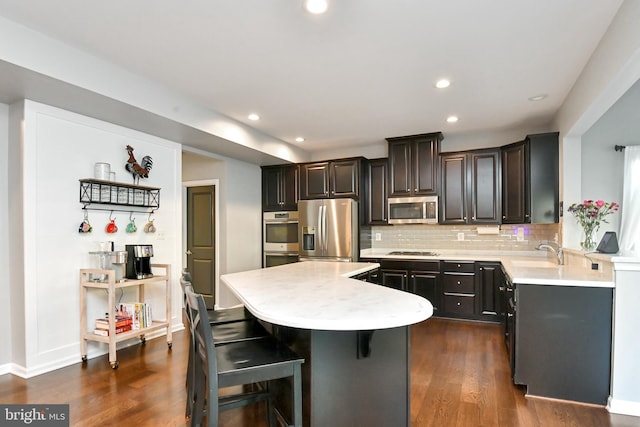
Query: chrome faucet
x,y
557,251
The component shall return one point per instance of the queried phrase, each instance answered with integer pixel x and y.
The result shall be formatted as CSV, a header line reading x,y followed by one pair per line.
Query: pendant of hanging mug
x,y
85,226
111,227
149,227
131,227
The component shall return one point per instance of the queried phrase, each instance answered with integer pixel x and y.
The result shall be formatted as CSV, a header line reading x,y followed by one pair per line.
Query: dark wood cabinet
x,y
280,188
330,179
427,285
456,289
530,180
470,192
396,279
418,277
490,282
377,190
515,191
459,289
453,195
413,164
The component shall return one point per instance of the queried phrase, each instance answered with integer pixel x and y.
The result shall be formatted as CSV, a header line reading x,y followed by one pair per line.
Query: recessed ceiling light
x,y
317,7
452,119
538,97
443,83
299,139
253,117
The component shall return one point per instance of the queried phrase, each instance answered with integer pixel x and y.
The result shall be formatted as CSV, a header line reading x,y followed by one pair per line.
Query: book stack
x,y
139,312
123,324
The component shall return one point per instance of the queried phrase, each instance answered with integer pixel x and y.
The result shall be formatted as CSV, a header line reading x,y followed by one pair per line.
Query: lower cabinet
x,y
418,277
459,288
456,289
491,284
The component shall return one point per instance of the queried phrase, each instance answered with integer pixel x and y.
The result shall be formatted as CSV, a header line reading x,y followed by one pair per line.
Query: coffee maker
x,y
139,261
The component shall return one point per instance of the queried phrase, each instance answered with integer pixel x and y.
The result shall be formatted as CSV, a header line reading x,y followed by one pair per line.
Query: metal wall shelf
x,y
116,196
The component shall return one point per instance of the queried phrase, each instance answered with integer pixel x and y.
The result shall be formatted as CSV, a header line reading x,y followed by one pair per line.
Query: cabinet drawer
x,y
459,304
459,283
458,266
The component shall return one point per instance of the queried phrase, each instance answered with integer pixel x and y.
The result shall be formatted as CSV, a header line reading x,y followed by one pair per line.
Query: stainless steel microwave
x,y
413,210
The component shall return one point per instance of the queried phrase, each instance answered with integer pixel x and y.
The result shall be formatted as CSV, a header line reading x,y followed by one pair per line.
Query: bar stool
x,y
237,363
225,315
224,332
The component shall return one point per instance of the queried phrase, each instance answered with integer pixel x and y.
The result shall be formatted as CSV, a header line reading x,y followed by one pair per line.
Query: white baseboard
x,y
623,407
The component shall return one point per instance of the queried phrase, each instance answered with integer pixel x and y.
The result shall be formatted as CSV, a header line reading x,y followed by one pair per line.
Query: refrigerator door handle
x,y
319,235
325,232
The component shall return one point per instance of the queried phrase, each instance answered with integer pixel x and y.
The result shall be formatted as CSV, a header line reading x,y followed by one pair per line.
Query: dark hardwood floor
x,y
460,377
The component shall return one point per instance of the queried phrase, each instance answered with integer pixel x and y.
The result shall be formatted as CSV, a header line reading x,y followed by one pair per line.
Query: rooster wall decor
x,y
138,170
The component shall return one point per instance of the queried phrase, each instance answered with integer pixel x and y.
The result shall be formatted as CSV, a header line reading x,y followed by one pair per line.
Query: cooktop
x,y
415,253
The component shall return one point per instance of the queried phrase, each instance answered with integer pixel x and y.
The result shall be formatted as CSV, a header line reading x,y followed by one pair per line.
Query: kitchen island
x,y
353,335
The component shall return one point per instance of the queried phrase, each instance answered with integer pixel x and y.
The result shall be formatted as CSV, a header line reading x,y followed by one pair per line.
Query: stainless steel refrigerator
x,y
328,229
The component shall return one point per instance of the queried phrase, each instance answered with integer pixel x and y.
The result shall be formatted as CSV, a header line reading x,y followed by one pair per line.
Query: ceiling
x,y
363,71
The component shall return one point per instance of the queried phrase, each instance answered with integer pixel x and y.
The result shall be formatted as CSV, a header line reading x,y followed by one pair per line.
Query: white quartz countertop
x,y
525,267
320,295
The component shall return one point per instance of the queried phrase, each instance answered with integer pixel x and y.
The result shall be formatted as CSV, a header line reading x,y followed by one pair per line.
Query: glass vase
x,y
588,243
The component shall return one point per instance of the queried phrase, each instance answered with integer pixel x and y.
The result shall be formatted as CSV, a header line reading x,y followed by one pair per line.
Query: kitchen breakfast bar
x,y
353,335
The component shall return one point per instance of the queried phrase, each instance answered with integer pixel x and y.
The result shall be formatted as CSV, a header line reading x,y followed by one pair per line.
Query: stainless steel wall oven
x,y
280,238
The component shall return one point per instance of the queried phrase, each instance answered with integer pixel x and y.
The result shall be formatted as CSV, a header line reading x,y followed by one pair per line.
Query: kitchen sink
x,y
533,263
414,253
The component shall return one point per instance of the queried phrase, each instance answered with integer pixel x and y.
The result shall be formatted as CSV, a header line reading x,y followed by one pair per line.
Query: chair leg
x,y
270,407
297,396
190,384
200,398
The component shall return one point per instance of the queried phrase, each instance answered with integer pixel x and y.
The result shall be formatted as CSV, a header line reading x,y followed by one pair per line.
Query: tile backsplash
x,y
510,237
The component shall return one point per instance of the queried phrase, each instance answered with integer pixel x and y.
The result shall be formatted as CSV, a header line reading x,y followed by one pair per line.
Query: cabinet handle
x,y
481,268
458,265
458,283
458,304
473,218
501,288
504,217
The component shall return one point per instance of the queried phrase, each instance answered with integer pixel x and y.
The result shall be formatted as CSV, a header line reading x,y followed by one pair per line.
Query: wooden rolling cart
x,y
110,285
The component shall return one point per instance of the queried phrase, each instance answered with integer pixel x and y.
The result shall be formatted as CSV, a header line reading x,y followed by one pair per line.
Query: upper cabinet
x,y
470,192
530,180
413,164
330,179
377,188
280,188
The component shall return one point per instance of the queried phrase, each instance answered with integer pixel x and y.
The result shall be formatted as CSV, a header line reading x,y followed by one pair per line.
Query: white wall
x,y
59,149
5,325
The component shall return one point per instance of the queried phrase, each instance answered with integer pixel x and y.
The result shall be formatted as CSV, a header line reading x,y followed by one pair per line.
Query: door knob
x,y
189,252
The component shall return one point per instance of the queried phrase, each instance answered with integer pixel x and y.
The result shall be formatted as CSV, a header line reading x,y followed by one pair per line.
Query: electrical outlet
x,y
460,237
378,237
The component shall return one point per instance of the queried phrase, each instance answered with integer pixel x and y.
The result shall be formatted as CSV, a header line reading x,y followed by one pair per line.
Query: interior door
x,y
201,240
